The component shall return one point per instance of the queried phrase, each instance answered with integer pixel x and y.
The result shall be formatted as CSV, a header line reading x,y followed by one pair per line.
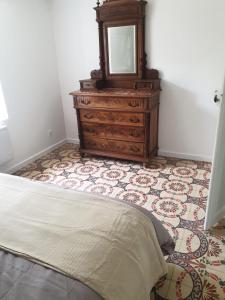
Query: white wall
x,y
185,41
76,38
29,78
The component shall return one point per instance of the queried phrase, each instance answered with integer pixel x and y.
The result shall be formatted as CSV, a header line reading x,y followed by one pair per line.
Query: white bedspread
x,y
108,245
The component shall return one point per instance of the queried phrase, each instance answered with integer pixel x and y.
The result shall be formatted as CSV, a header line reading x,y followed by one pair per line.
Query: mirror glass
x,y
122,49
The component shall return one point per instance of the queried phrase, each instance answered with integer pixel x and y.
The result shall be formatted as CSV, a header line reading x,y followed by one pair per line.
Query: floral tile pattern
x,y
174,190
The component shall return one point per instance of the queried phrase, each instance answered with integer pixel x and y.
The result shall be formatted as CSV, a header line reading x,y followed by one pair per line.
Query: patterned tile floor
x,y
174,190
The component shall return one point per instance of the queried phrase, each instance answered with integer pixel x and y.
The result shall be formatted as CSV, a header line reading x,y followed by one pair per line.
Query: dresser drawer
x,y
124,133
110,103
106,117
120,147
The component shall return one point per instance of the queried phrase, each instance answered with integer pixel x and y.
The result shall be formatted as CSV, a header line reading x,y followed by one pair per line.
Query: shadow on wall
x,y
5,141
6,153
183,119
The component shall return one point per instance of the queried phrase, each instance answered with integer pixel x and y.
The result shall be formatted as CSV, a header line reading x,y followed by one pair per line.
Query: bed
x,y
63,244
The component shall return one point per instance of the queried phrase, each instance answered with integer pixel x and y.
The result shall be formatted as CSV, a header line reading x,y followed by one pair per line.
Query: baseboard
x,y
73,141
34,157
184,156
76,141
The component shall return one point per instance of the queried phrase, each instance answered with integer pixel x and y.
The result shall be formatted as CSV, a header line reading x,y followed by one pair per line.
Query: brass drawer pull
x,y
88,116
133,104
87,85
134,120
134,133
135,149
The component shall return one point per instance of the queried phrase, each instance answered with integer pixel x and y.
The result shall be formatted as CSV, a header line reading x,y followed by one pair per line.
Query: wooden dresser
x,y
118,123
117,108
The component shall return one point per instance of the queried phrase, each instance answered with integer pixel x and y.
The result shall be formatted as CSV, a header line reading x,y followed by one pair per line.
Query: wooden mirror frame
x,y
119,13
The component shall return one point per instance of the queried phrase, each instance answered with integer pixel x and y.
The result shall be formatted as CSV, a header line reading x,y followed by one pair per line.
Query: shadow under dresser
x,y
118,123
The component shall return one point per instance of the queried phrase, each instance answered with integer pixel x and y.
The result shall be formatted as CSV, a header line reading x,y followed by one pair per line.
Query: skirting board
x,y
75,141
34,157
184,156
164,153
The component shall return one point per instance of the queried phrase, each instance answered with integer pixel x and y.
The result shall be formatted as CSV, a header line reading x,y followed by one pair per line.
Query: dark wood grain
x,y
121,13
108,123
110,103
122,147
117,92
124,133
112,117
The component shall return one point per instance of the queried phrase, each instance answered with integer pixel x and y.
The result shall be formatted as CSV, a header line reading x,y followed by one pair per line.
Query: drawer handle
x,y
133,104
134,149
89,116
134,120
134,133
85,102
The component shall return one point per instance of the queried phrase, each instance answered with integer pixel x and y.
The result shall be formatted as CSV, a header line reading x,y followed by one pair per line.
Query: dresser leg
x,y
146,165
82,154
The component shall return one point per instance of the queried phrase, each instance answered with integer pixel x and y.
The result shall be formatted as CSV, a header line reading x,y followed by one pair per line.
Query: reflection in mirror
x,y
122,49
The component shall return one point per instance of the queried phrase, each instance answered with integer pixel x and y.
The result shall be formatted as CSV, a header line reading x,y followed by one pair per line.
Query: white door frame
x,y
216,199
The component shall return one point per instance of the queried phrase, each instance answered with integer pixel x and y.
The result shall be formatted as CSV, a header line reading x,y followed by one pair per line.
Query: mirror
x,y
122,49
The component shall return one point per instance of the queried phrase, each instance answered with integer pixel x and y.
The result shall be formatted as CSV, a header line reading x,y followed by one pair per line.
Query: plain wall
x,y
184,41
29,78
76,39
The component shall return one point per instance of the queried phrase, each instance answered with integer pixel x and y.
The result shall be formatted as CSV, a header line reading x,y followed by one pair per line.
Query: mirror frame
x,y
119,13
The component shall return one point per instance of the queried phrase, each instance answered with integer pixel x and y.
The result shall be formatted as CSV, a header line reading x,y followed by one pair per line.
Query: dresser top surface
x,y
116,93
